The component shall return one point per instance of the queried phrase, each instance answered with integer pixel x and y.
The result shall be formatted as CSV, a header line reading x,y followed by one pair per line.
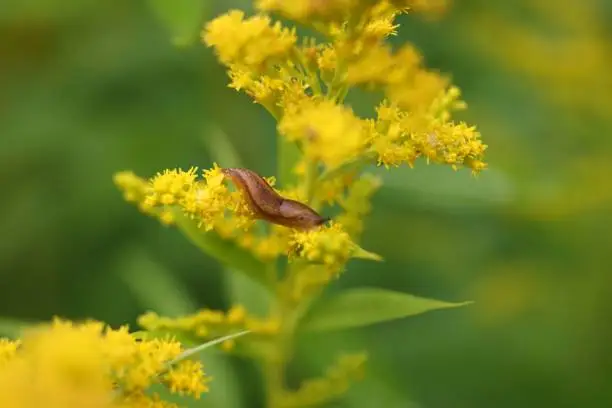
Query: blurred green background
x,y
88,88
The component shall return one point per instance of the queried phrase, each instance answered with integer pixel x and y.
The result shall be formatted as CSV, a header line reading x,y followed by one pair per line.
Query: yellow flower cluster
x,y
68,365
304,86
330,246
133,187
206,200
328,132
265,246
400,137
337,379
209,324
251,43
326,251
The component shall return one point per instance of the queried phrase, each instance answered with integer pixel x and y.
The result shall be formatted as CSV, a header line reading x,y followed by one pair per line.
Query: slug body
x,y
268,205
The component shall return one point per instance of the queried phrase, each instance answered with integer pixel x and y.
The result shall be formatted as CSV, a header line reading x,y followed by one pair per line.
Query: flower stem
x,y
279,356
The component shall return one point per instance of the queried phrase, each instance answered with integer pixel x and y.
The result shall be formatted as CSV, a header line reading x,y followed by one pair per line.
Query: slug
x,y
268,205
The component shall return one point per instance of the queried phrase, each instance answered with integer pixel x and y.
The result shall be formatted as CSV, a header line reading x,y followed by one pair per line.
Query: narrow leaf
x,y
364,254
221,148
153,285
366,306
226,252
242,290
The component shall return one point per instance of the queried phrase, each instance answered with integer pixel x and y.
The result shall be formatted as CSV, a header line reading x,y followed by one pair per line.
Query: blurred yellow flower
x,y
328,132
66,365
8,349
210,324
251,43
335,382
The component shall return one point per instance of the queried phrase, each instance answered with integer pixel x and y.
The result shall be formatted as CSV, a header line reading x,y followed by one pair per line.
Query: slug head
x,y
299,216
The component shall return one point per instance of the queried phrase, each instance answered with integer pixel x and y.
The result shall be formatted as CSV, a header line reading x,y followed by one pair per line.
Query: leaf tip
x,y
364,254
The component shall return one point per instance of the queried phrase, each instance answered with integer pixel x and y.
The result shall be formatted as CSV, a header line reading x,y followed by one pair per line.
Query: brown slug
x,y
268,205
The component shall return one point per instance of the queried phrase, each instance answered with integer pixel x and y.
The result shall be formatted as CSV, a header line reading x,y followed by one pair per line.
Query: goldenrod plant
x,y
294,232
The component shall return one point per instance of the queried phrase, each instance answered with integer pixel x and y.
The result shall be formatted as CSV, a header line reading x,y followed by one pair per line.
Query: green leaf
x,y
441,188
153,285
361,253
221,148
244,291
182,18
226,252
366,306
375,391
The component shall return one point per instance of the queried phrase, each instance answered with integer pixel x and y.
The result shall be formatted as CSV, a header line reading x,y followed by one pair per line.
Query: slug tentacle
x,y
268,205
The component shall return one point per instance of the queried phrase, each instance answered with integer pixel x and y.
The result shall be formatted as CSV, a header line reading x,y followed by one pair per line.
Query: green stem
x,y
280,354
195,350
281,349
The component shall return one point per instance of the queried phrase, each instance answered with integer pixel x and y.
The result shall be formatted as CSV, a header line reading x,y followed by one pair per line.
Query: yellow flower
x,y
206,200
169,187
134,188
331,245
329,133
381,28
236,315
252,43
70,365
187,378
228,345
209,324
417,92
327,59
268,327
8,349
401,137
